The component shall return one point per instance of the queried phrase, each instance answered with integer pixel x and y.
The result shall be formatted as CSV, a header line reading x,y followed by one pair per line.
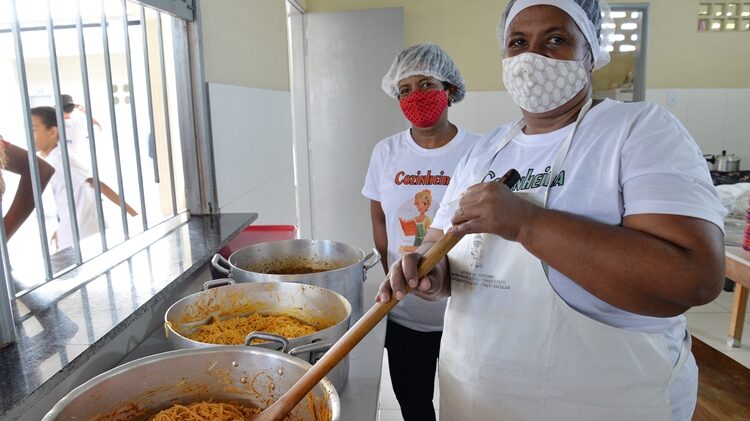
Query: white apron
x,y
512,349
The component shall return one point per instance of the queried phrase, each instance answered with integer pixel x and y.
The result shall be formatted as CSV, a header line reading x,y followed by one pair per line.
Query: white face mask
x,y
539,84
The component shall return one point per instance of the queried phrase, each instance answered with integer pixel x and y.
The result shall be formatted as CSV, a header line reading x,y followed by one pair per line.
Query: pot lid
x,y
728,158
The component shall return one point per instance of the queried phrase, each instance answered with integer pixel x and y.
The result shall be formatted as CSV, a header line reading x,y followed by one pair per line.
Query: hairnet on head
x,y
425,60
591,16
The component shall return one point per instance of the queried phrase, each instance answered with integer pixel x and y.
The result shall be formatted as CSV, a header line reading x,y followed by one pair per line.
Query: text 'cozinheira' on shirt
x,y
422,180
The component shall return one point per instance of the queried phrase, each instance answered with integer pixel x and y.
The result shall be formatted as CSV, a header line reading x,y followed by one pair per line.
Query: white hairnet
x,y
427,60
592,17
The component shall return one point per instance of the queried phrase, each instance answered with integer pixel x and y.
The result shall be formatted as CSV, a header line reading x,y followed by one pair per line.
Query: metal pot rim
x,y
235,254
171,330
330,391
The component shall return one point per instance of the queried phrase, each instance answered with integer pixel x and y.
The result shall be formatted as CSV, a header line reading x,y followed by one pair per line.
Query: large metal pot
x,y
247,375
344,266
315,305
710,161
727,163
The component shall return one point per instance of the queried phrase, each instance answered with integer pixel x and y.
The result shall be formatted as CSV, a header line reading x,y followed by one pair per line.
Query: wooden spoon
x,y
366,323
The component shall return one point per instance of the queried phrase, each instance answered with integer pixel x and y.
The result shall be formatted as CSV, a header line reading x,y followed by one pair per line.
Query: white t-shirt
x,y
77,134
625,159
83,194
409,182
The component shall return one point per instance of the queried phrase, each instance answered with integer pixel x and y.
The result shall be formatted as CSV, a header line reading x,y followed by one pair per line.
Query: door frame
x,y
639,85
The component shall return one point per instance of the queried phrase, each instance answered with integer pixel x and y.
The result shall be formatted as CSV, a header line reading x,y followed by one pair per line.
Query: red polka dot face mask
x,y
424,108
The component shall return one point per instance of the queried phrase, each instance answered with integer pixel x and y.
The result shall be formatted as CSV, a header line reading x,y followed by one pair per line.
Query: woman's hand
x,y
404,273
493,208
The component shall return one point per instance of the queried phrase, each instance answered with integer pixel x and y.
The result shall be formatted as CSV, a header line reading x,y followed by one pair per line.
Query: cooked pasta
x,y
233,331
207,411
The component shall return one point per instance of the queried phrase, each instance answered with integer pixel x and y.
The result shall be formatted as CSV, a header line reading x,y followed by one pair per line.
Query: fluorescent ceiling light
x,y
617,15
627,48
629,26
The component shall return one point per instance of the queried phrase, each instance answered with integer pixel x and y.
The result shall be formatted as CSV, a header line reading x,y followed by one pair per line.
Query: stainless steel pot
x,y
727,163
710,161
313,304
344,266
247,375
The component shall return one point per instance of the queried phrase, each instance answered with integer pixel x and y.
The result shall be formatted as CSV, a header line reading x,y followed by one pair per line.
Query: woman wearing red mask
x,y
408,174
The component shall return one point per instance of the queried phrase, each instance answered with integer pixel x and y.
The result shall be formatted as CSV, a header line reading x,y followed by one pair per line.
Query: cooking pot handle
x,y
217,283
375,256
268,337
221,264
312,347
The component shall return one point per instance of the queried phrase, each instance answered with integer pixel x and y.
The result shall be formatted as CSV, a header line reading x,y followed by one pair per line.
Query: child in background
x,y
15,160
46,138
76,129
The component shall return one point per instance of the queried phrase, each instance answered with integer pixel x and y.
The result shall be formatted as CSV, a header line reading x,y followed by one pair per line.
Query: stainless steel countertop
x,y
85,321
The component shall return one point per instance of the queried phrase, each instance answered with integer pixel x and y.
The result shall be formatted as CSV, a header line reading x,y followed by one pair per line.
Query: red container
x,y
259,234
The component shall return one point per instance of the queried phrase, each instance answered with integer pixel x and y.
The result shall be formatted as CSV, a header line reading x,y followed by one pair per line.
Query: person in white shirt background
x,y
408,174
46,139
568,290
76,129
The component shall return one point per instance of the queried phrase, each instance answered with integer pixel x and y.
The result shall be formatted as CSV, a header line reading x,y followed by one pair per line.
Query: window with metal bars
x,y
113,72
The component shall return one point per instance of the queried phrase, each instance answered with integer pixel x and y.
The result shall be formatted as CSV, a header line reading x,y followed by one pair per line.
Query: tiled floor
x,y
709,323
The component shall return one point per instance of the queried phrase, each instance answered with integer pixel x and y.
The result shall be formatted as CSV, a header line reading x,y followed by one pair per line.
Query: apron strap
x,y
564,148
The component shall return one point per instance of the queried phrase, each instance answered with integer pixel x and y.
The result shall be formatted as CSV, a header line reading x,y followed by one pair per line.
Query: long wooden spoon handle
x,y
353,336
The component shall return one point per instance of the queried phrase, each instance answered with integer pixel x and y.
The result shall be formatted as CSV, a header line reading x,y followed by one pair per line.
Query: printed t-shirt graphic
x,y
409,182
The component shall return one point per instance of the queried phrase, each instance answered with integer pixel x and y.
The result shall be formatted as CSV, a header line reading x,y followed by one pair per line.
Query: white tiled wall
x,y
252,137
718,119
482,111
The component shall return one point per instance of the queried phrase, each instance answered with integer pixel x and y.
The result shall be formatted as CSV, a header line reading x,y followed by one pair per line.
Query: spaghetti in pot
x,y
232,331
207,411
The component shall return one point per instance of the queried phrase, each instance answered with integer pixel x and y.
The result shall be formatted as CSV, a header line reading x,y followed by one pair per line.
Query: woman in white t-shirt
x,y
408,174
568,291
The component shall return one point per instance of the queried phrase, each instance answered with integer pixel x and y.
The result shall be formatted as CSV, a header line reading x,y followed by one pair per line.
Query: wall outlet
x,y
672,98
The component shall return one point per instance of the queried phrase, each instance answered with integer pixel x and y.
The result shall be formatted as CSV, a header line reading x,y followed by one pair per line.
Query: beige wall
x,y
678,56
465,29
245,43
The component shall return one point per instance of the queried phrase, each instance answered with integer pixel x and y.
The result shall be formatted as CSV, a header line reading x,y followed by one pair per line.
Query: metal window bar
x,y
62,137
90,127
30,145
152,134
8,331
44,28
5,259
133,118
113,120
165,99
